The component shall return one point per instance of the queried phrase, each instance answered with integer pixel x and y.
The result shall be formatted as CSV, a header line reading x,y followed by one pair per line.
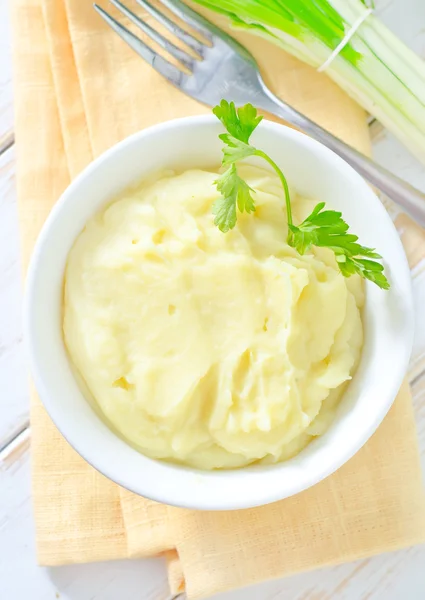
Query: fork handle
x,y
401,192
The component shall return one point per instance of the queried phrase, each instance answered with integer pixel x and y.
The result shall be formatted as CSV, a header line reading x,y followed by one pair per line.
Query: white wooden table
x,y
390,577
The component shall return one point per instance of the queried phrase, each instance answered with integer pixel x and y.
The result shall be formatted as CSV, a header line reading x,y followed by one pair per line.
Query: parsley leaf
x,y
239,123
327,229
323,228
234,192
235,149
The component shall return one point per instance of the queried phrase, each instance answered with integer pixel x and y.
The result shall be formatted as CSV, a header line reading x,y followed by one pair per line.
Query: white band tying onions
x,y
346,39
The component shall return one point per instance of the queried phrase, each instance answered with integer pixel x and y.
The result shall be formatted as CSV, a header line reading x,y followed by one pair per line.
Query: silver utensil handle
x,y
401,192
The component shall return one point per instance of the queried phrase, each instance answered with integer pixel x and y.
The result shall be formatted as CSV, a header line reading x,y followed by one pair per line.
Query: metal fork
x,y
226,69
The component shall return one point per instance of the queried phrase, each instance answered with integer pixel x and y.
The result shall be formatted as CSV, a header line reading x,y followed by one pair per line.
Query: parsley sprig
x,y
322,228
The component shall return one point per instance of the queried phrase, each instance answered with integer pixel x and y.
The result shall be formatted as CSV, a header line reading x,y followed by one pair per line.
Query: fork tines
x,y
158,62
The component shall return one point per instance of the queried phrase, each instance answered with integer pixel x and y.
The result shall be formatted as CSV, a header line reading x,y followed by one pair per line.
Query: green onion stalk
x,y
375,68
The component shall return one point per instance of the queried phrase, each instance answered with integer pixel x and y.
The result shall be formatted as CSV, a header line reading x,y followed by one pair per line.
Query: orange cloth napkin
x,y
79,89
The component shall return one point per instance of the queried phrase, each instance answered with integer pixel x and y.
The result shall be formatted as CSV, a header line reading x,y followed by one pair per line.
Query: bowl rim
x,y
186,500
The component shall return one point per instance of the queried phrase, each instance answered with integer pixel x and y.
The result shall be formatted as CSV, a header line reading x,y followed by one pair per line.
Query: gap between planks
x,y
15,435
6,141
15,449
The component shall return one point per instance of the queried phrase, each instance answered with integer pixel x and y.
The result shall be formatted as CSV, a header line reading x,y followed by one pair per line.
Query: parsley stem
x,y
282,179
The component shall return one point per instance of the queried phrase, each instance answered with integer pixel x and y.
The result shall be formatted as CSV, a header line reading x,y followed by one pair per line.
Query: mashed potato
x,y
210,349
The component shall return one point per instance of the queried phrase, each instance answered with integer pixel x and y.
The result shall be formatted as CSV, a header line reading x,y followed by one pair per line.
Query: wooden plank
x,y
13,367
20,578
6,103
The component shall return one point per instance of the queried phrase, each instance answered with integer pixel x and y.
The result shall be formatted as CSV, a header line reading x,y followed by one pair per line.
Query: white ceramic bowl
x,y
313,170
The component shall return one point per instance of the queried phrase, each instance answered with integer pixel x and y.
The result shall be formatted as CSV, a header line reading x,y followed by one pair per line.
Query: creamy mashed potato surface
x,y
210,349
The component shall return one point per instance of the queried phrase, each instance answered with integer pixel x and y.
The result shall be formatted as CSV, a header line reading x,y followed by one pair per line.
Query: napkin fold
x,y
78,90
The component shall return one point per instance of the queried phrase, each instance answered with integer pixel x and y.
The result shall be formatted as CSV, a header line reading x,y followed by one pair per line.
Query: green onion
x,y
374,67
